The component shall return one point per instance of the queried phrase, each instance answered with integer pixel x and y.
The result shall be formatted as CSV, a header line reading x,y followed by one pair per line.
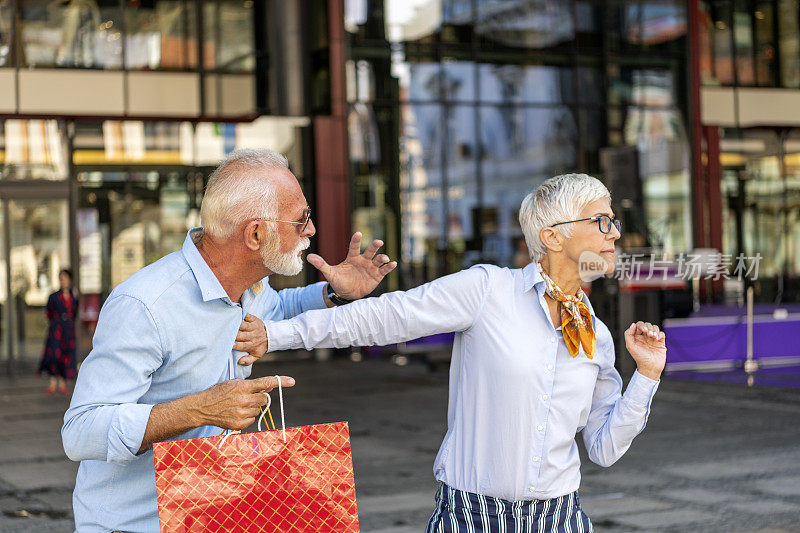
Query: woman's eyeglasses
x,y
604,222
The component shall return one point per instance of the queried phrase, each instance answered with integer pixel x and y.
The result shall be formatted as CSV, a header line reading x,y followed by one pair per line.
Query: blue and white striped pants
x,y
458,511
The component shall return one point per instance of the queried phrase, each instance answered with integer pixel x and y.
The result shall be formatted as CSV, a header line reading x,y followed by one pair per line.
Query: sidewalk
x,y
714,457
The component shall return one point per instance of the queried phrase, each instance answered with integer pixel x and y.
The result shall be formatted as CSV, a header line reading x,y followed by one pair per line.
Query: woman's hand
x,y
646,343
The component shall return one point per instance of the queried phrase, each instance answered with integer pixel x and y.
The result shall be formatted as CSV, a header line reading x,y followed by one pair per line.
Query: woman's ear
x,y
552,239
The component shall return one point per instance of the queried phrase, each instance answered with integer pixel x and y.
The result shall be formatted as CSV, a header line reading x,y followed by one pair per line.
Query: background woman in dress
x,y
58,360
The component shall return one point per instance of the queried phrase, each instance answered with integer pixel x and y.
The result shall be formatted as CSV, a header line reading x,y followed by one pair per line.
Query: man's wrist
x,y
334,298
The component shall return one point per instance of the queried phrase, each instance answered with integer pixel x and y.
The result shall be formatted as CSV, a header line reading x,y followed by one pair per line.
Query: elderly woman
x,y
531,367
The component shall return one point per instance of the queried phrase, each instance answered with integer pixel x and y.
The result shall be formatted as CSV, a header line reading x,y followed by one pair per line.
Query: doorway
x,y
34,248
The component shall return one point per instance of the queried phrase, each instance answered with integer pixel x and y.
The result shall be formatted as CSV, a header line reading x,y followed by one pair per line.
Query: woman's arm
x,y
447,304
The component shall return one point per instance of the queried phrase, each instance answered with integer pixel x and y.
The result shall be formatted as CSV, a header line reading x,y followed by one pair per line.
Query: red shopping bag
x,y
255,482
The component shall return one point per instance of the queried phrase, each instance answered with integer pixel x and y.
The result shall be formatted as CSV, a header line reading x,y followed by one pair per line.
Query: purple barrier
x,y
724,338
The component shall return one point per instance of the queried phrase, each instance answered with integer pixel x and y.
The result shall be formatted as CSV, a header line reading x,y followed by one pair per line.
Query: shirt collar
x,y
209,285
531,278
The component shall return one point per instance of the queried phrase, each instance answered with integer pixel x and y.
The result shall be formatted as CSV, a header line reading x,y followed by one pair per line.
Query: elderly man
x,y
163,364
531,366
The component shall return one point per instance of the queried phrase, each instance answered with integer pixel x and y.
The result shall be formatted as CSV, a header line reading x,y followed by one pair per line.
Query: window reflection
x,y
77,34
789,43
526,84
161,35
6,21
411,20
229,25
34,149
525,24
420,188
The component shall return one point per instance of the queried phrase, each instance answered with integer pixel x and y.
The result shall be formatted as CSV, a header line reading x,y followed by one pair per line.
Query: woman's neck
x,y
564,274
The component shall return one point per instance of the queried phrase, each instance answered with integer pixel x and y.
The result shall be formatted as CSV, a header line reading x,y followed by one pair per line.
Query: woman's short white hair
x,y
557,200
234,195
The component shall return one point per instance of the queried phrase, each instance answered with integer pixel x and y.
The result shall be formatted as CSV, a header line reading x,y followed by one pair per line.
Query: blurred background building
x,y
421,122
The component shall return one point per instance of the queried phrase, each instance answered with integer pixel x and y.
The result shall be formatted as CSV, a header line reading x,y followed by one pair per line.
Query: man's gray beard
x,y
288,264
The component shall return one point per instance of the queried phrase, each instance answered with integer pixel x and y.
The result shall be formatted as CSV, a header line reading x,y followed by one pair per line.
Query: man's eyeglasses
x,y
604,222
303,223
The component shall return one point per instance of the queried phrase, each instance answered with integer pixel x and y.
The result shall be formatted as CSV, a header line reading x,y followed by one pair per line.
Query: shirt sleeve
x,y
104,421
298,300
615,419
447,304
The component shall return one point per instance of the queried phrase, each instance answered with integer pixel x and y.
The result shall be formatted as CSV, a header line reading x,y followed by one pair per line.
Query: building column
x,y
331,159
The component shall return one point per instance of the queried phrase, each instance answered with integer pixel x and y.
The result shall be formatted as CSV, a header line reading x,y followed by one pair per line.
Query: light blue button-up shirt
x,y
517,398
164,333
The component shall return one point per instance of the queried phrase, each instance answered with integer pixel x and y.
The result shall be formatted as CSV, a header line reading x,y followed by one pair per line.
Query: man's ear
x,y
552,239
253,234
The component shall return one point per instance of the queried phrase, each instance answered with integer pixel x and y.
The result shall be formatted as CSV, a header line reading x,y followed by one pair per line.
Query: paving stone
x,y
598,508
663,519
621,478
29,476
733,467
703,496
399,529
781,486
31,447
59,500
760,507
411,501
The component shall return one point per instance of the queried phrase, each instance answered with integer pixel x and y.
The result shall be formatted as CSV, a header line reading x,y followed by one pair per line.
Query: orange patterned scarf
x,y
576,320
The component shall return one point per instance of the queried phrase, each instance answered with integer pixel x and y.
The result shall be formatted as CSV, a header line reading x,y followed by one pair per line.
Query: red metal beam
x,y
699,189
331,151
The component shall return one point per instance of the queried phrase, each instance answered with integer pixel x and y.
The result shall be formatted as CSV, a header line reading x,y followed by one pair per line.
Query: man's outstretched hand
x,y
359,273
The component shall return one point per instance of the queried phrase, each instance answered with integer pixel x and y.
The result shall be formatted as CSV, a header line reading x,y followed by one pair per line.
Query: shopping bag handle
x,y
261,418
280,399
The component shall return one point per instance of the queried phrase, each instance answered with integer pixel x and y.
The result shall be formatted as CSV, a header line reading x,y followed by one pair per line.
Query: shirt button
x,y
540,428
533,489
544,397
552,339
535,459
549,367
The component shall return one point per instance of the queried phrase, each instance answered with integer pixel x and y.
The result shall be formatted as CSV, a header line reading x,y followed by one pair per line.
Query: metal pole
x,y
750,365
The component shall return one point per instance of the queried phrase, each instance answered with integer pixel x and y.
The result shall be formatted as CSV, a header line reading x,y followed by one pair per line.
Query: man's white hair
x,y
233,195
557,200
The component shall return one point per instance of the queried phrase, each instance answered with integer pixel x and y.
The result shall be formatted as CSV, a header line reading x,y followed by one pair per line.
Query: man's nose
x,y
310,229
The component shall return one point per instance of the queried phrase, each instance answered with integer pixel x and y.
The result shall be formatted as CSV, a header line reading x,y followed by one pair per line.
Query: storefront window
x,y
6,21
517,84
34,149
764,16
71,34
789,43
161,34
743,38
229,25
547,24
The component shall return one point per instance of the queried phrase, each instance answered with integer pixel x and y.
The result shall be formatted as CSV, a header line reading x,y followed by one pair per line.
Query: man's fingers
x,y
354,248
380,260
248,360
372,249
320,264
268,383
245,335
388,267
250,318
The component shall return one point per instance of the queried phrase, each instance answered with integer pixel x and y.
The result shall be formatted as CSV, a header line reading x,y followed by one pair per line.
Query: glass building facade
x,y
751,49
460,108
421,122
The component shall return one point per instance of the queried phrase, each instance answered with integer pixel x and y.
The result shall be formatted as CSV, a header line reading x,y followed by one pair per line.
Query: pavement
x,y
715,457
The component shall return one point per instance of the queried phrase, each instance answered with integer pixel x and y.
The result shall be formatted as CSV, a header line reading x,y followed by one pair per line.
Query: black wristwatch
x,y
335,298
